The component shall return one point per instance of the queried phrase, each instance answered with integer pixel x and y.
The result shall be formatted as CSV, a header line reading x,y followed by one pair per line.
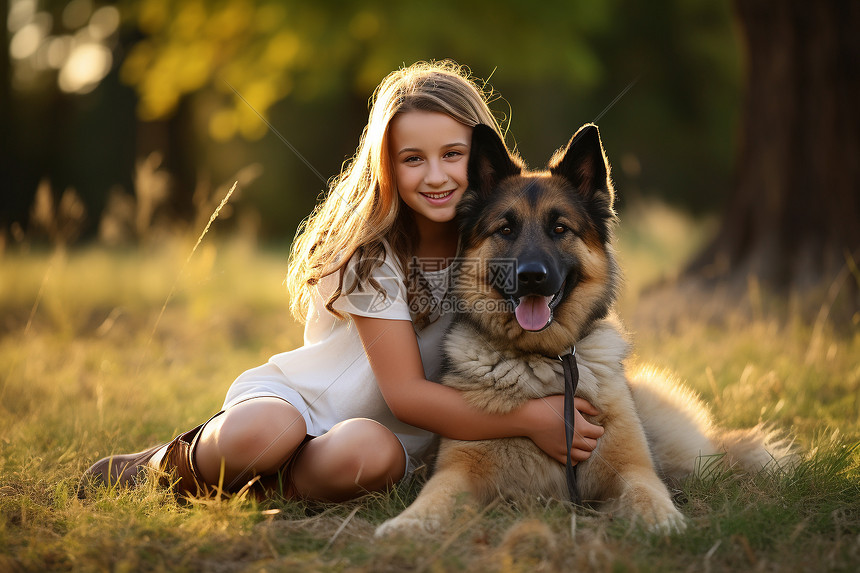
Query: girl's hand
x,y
443,410
548,428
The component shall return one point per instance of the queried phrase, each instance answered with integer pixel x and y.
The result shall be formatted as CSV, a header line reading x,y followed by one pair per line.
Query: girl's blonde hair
x,y
363,209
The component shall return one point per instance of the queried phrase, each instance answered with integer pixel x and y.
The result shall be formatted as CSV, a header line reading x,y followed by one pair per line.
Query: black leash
x,y
571,380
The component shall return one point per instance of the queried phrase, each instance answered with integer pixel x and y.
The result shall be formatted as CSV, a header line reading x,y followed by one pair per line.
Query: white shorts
x,y
267,381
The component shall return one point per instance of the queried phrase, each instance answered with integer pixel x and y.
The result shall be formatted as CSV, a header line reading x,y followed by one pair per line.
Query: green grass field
x,y
106,351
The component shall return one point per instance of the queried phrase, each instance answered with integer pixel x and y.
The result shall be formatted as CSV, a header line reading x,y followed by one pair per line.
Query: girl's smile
x,y
438,198
430,153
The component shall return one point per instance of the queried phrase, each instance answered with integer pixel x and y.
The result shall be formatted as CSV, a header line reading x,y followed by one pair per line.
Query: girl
x,y
354,409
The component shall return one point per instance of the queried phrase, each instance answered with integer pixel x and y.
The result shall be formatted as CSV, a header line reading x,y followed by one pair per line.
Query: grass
x,y
89,365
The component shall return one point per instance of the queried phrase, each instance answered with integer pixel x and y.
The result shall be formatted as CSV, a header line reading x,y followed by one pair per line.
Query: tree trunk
x,y
793,220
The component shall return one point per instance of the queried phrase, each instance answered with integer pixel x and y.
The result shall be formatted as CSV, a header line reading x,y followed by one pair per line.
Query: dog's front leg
x,y
454,482
621,472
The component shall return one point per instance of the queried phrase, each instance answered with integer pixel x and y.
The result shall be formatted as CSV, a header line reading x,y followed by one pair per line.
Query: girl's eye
x,y
453,154
412,159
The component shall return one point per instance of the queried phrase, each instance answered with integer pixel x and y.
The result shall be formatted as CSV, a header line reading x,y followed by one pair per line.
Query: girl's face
x,y
430,152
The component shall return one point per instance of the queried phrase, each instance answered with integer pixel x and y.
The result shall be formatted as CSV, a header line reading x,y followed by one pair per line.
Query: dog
x,y
555,228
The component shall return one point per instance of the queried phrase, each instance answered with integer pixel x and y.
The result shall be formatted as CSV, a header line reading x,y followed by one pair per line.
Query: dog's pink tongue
x,y
533,312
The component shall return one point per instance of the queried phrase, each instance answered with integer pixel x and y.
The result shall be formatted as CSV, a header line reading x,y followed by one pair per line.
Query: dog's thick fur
x,y
557,227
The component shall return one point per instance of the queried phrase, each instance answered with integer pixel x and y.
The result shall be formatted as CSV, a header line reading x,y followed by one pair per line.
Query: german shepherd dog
x,y
557,226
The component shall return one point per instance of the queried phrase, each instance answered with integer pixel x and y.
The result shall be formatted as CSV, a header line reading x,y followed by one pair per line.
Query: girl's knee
x,y
256,436
371,445
356,455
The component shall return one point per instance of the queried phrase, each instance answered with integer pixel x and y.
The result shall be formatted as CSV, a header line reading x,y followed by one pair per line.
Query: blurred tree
x,y
207,71
558,64
5,94
309,68
64,118
266,49
793,220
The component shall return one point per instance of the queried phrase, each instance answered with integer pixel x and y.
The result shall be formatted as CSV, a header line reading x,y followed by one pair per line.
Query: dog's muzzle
x,y
534,312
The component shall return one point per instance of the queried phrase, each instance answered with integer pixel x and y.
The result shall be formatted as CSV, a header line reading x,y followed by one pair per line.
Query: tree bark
x,y
793,219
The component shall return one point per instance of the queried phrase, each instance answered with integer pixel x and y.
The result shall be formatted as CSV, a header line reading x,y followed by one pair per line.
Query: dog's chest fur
x,y
498,381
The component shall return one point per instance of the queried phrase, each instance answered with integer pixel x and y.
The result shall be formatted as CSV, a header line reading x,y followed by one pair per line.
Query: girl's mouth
x,y
438,197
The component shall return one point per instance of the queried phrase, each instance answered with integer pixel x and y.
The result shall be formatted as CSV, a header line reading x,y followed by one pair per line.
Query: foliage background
x,y
310,67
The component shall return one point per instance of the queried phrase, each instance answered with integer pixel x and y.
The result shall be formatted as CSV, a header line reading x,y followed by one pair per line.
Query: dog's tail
x,y
757,448
683,438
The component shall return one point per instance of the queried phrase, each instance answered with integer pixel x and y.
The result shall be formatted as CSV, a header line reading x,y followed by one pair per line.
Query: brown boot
x,y
120,470
177,467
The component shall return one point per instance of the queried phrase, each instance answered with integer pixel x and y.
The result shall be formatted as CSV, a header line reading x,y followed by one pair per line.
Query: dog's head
x,y
539,243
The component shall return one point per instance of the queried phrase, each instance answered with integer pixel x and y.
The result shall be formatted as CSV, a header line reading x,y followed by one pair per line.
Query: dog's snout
x,y
531,274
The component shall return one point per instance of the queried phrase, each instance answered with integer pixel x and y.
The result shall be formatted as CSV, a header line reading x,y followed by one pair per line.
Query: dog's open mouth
x,y
534,312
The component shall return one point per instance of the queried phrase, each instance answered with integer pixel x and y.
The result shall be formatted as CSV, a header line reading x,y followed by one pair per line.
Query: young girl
x,y
356,407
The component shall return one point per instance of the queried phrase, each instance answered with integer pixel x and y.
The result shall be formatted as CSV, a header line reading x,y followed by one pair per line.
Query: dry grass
x,y
85,370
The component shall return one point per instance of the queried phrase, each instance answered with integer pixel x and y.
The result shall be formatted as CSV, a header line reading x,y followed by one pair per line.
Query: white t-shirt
x,y
329,378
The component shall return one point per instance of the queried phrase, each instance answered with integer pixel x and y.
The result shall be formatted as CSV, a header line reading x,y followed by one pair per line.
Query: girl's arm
x,y
392,348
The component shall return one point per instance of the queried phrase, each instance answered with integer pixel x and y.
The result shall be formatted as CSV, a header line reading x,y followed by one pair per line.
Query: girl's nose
x,y
436,174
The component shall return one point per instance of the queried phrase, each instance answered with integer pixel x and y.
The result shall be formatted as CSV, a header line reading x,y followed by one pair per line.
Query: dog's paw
x,y
654,508
669,523
661,516
404,525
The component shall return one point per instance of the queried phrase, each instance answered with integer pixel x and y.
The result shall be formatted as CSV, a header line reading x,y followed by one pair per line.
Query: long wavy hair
x,y
363,210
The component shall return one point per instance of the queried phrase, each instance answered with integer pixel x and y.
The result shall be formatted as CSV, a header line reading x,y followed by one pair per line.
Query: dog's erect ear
x,y
489,160
583,163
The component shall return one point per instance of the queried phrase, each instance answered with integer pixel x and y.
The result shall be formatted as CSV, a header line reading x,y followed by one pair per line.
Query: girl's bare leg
x,y
258,436
354,457
255,437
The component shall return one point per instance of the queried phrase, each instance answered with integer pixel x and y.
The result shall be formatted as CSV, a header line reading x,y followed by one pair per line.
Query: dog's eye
x,y
506,230
559,229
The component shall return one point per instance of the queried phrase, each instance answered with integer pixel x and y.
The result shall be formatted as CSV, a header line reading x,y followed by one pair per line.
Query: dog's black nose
x,y
531,274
